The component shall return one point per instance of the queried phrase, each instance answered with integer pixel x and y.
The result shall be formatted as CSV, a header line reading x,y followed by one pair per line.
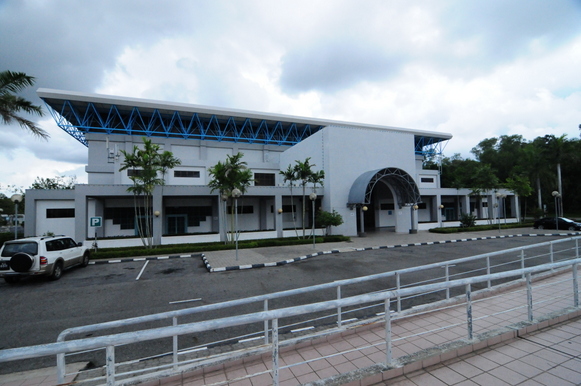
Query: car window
x,y
52,246
69,243
11,248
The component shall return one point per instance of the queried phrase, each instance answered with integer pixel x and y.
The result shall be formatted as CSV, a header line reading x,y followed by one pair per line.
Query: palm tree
x,y
304,173
290,177
230,175
147,164
11,105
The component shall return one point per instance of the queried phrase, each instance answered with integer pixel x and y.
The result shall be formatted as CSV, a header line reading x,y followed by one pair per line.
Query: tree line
x,y
531,169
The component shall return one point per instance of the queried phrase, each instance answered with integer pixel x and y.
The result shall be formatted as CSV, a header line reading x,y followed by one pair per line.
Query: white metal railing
x,y
570,246
397,293
109,342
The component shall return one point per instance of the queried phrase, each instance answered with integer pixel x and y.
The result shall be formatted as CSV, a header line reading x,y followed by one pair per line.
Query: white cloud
x,y
474,69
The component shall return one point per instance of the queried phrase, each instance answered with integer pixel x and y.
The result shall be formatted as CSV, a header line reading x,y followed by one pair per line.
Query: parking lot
x,y
36,310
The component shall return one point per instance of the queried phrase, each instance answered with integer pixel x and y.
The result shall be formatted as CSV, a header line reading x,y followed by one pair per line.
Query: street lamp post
x,y
236,193
313,197
441,207
557,195
16,199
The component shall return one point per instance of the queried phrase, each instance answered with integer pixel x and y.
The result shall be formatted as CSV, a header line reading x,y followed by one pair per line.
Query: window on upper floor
x,y
186,173
264,179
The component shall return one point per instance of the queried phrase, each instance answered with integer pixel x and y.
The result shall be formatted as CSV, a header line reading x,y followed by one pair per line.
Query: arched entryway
x,y
395,195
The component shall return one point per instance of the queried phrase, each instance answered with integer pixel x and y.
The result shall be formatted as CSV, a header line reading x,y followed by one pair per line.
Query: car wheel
x,y
571,228
21,262
11,279
85,260
57,271
541,227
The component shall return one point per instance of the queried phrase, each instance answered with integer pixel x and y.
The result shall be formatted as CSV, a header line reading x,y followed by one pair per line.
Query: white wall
x,y
58,226
344,153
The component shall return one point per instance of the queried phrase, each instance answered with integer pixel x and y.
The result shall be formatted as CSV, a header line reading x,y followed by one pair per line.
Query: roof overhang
x,y
80,113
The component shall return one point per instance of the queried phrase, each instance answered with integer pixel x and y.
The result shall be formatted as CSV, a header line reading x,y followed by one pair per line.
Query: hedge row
x,y
478,228
179,249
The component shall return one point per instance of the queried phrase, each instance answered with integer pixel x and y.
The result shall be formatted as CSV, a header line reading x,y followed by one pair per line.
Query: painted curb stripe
x,y
301,258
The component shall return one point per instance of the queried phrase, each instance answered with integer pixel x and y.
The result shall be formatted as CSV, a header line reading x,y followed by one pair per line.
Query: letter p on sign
x,y
96,221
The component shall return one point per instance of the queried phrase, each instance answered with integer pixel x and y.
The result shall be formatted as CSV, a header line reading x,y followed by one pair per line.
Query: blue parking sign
x,y
96,221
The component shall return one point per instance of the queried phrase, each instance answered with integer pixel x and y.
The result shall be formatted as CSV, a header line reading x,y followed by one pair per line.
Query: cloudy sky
x,y
475,69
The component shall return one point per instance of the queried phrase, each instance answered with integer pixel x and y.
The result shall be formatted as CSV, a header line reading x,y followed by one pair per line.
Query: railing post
x,y
60,368
398,287
388,348
469,311
488,269
110,365
275,352
175,345
266,322
575,286
447,273
529,298
522,261
339,311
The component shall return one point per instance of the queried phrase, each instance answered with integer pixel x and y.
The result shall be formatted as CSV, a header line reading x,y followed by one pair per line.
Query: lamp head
x,y
16,198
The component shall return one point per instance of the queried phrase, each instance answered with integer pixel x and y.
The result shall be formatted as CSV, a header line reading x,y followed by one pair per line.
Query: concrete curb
x,y
95,262
305,257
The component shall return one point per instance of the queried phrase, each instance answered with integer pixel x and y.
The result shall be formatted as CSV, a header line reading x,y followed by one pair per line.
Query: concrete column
x,y
81,220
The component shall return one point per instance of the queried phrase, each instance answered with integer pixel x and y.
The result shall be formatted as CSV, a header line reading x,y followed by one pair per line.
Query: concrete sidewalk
x,y
217,261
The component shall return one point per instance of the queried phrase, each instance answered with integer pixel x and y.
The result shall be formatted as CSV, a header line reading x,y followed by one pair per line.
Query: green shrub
x,y
467,220
179,249
477,228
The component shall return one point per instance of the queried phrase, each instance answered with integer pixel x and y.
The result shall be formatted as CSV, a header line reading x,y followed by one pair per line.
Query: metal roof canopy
x,y
404,185
81,113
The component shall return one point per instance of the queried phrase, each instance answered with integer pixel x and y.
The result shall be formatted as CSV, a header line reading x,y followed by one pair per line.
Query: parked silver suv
x,y
49,256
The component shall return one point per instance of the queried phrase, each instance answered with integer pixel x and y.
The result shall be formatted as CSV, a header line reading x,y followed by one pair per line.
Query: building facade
x,y
373,174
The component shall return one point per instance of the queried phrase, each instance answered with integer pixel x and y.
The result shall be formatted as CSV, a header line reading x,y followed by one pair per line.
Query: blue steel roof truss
x,y
78,118
429,146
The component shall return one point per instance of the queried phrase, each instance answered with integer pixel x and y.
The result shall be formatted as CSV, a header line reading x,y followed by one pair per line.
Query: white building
x,y
373,174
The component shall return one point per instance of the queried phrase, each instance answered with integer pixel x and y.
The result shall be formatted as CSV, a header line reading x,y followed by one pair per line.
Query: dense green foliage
x,y
528,168
149,165
231,179
324,219
478,228
302,174
58,182
11,105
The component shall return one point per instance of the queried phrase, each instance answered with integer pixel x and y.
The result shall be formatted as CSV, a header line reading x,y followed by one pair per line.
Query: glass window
x,y
186,173
264,179
60,213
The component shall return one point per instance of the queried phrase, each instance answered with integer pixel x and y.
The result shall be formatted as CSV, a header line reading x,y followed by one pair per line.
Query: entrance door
x,y
176,224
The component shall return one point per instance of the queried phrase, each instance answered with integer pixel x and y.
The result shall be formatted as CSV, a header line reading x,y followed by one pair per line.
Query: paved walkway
x,y
545,353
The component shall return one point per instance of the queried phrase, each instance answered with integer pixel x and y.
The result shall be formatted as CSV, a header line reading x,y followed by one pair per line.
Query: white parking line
x,y
142,269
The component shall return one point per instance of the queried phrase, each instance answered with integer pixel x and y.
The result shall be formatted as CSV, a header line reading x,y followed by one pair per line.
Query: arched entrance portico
x,y
401,190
